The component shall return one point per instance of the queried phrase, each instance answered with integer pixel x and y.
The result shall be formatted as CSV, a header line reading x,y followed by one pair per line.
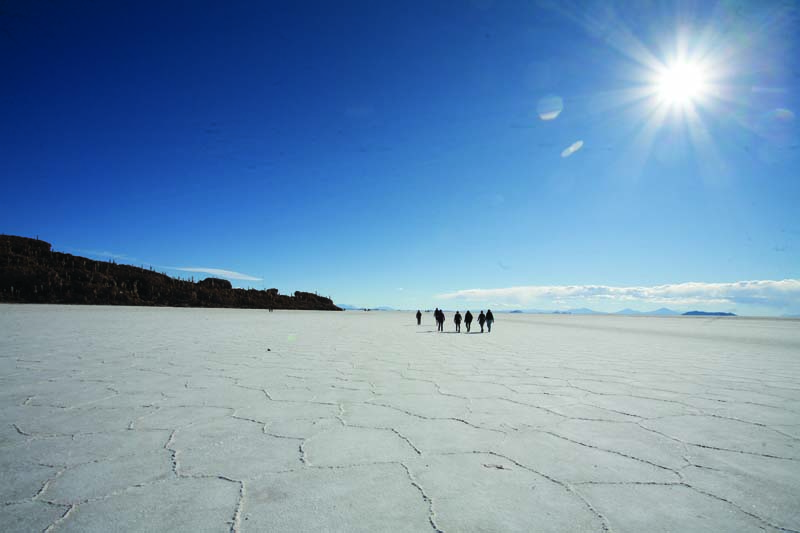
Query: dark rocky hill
x,y
30,272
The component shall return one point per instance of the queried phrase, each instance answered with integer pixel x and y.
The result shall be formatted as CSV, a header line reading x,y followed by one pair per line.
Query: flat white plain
x,y
157,419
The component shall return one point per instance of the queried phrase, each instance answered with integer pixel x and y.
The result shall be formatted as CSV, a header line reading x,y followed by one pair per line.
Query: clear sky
x,y
543,155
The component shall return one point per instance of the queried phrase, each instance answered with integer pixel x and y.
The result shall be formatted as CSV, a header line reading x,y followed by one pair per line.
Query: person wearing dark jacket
x,y
442,318
489,319
468,320
419,317
481,320
457,320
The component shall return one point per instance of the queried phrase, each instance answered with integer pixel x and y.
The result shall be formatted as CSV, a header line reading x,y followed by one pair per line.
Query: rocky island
x,y
30,272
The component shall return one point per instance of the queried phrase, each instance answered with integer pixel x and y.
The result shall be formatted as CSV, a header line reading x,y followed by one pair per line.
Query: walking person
x,y
489,319
481,320
457,320
419,317
468,319
441,320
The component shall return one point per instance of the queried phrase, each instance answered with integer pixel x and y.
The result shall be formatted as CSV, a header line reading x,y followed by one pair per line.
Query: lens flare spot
x,y
550,107
574,147
783,115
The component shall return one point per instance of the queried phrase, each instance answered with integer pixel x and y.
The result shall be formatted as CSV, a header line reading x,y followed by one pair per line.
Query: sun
x,y
681,83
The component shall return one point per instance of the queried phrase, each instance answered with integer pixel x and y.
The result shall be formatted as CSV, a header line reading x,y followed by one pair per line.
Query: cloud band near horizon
x,y
227,274
770,293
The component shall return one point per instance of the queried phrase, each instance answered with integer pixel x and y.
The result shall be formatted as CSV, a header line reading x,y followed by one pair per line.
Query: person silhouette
x,y
419,317
457,320
468,319
489,319
481,320
442,318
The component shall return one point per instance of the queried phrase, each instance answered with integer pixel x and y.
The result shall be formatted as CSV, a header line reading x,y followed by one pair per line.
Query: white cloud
x,y
571,149
757,292
101,253
227,274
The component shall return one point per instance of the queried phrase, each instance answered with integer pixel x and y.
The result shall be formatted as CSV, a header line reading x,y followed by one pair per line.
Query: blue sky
x,y
415,154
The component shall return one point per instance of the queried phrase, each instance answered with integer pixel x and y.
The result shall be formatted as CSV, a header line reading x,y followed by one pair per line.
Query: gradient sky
x,y
397,153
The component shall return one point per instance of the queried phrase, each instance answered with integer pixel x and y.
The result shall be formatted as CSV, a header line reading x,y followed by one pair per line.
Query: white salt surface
x,y
140,419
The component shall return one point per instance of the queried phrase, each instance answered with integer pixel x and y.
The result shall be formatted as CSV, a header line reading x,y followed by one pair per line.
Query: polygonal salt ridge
x,y
239,458
23,481
31,515
574,462
546,399
82,394
364,498
168,418
216,432
636,507
487,491
639,406
424,405
764,486
330,394
276,410
726,434
50,421
300,429
585,411
227,395
369,414
177,504
443,436
748,412
791,430
346,445
98,479
762,395
471,389
68,451
390,384
626,439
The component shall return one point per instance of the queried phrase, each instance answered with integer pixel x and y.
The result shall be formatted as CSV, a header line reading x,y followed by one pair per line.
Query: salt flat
x,y
142,419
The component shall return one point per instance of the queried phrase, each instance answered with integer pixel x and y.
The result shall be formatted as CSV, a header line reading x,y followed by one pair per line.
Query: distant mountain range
x,y
663,311
708,313
630,312
348,307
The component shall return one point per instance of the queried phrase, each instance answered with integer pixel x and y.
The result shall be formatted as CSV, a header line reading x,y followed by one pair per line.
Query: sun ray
x,y
635,156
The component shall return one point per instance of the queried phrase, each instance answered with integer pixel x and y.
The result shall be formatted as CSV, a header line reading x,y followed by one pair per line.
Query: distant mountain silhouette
x,y
708,313
349,307
663,312
31,273
658,312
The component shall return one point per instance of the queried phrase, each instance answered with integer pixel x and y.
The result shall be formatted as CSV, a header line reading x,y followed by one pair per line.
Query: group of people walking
x,y
486,319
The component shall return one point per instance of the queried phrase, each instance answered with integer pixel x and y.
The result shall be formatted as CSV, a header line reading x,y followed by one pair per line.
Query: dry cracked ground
x,y
140,419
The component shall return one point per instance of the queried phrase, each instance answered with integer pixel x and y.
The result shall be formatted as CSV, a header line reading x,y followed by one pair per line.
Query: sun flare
x,y
681,83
